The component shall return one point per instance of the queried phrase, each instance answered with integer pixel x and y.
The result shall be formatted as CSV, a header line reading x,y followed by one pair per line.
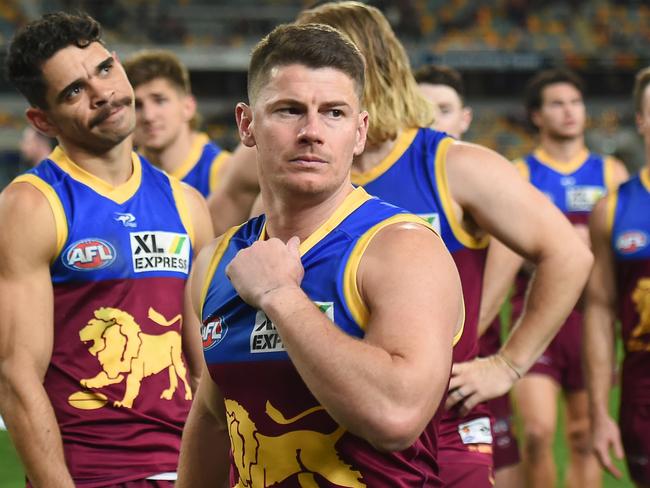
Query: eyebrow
x,y
62,94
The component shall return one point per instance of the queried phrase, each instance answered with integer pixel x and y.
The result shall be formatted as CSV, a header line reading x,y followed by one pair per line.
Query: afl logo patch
x,y
213,333
89,255
631,241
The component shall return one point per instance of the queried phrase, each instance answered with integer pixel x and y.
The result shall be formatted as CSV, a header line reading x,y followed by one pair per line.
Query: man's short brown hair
x,y
149,65
312,45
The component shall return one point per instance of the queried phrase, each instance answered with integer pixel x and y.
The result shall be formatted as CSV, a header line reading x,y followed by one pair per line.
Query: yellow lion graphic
x,y
263,461
641,298
123,349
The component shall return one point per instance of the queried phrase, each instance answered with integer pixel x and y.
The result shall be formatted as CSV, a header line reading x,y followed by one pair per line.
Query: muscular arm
x,y
27,244
598,339
205,446
386,386
529,224
203,233
230,204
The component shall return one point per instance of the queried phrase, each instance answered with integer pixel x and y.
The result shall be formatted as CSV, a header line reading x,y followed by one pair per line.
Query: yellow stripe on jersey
x,y
351,293
215,169
214,262
199,140
440,167
522,167
403,142
612,200
644,175
119,194
567,167
183,211
60,219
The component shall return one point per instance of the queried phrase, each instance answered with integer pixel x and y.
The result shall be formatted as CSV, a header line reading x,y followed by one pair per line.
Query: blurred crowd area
x,y
496,44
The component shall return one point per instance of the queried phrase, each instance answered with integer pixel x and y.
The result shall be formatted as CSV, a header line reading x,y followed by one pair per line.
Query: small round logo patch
x,y
213,332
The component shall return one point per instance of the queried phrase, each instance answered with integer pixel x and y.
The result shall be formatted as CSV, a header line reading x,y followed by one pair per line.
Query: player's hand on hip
x,y
606,436
476,381
265,267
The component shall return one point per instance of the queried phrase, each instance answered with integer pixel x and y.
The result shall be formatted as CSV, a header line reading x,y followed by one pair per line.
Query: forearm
x,y
554,291
362,386
32,425
598,356
204,459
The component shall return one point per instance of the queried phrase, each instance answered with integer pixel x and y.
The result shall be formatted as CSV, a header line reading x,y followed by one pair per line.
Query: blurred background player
x,y
438,178
444,87
619,289
96,248
34,147
167,121
573,179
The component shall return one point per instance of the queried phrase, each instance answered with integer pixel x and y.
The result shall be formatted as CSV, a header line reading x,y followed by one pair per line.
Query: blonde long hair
x,y
391,95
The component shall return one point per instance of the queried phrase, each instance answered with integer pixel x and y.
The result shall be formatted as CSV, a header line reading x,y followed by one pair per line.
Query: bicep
x,y
27,244
412,290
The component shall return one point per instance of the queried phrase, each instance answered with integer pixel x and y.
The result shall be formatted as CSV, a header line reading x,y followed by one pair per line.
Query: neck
x,y
173,156
562,150
300,217
114,166
373,155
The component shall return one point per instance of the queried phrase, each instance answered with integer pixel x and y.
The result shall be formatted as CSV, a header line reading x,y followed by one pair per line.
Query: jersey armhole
x,y
60,219
215,169
181,205
214,262
351,294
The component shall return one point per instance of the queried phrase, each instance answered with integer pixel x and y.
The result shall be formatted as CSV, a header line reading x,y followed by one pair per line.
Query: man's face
x,y
90,100
562,114
162,112
451,116
307,126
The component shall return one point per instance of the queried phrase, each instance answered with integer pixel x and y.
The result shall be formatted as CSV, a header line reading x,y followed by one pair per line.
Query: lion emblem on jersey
x,y
125,352
303,452
640,338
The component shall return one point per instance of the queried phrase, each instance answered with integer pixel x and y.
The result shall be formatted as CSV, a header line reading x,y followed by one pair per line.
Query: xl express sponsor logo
x,y
160,251
89,254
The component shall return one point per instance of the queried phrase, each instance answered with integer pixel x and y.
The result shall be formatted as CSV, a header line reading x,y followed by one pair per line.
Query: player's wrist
x,y
515,372
280,298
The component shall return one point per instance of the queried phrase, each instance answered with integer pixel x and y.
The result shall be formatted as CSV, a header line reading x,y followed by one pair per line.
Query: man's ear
x,y
362,133
41,121
244,116
189,107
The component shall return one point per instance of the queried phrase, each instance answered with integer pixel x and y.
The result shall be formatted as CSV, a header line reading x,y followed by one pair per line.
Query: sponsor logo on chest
x,y
631,241
89,255
583,198
160,251
265,337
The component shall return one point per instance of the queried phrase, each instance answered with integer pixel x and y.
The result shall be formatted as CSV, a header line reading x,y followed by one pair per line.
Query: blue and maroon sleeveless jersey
x,y
202,166
414,176
280,435
629,217
573,187
117,378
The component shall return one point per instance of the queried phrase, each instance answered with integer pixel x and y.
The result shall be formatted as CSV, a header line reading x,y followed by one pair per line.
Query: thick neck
x,y
562,150
174,154
114,166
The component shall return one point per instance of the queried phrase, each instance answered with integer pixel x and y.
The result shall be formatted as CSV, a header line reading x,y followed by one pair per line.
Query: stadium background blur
x,y
496,44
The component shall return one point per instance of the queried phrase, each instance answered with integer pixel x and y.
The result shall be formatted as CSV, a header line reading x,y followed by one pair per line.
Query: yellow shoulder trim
x,y
214,262
644,175
181,205
198,141
119,194
459,334
351,293
404,140
440,167
522,167
563,167
215,169
60,219
611,202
